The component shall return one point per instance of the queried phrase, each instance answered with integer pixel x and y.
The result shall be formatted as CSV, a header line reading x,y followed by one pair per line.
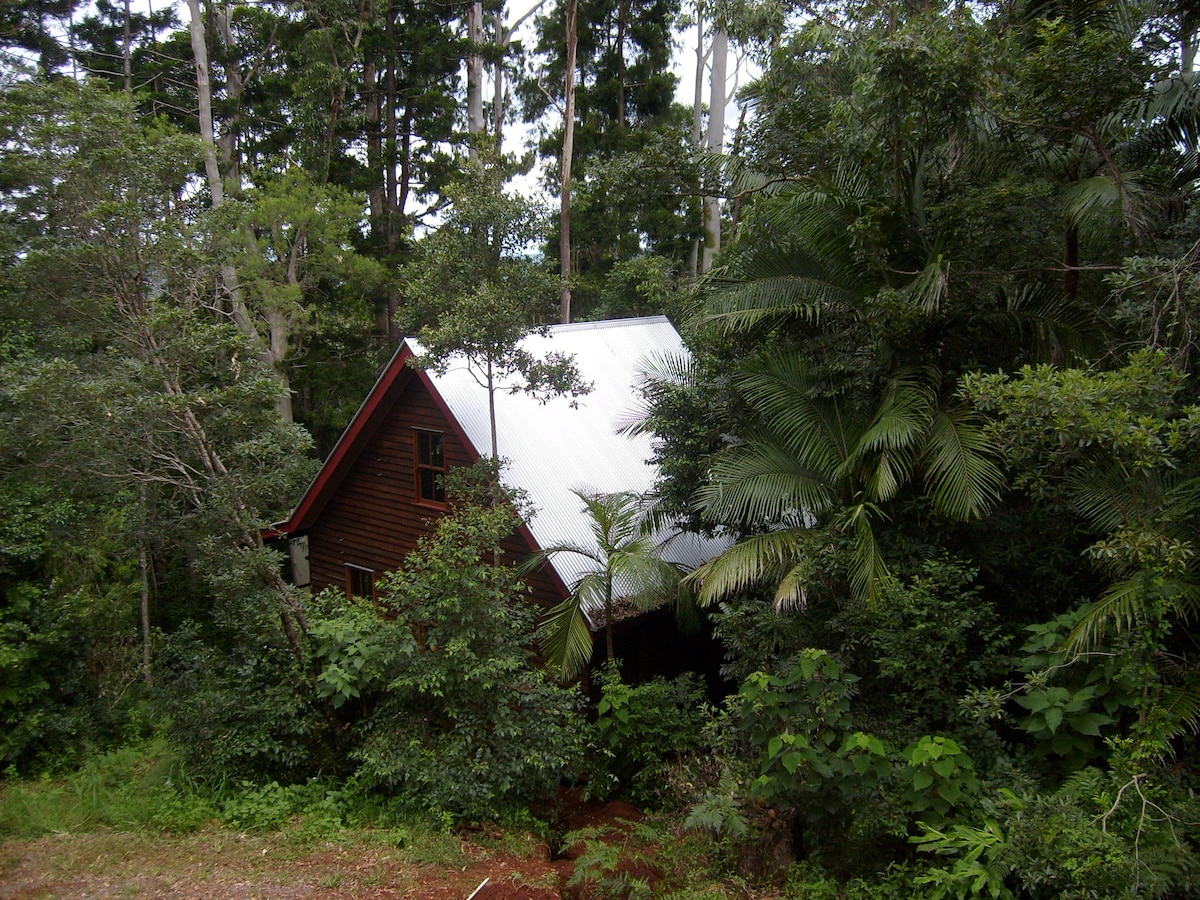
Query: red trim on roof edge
x,y
335,465
344,453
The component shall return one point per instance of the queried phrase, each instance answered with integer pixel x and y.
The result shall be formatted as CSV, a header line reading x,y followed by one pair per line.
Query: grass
x,y
131,821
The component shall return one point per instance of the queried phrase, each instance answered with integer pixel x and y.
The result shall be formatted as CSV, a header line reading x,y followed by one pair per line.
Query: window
x,y
360,581
430,467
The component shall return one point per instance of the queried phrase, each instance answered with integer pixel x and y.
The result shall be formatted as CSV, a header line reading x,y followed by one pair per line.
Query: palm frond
x,y
762,482
902,414
1109,499
889,471
1120,606
931,285
751,561
773,299
656,377
1088,198
1055,328
1167,126
565,639
639,575
780,388
1180,502
1181,703
535,560
962,473
868,570
1131,600
792,592
804,266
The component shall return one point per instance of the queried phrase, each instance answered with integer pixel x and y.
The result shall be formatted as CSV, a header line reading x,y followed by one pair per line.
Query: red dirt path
x,y
225,865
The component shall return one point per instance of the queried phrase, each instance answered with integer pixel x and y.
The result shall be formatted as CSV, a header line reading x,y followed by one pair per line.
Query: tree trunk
x,y
564,239
714,143
502,38
218,186
698,121
228,143
622,25
144,571
474,75
376,208
608,623
127,52
392,197
1071,263
212,171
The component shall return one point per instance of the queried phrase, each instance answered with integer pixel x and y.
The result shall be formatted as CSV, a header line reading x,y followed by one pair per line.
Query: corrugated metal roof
x,y
563,445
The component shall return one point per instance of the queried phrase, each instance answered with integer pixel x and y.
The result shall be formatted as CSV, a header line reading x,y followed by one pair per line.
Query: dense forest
x,y
938,281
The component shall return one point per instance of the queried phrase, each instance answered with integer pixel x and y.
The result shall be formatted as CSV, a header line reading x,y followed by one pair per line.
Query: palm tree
x,y
813,470
624,563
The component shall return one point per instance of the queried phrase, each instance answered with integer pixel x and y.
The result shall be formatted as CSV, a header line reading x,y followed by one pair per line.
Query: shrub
x,y
465,722
638,727
1096,836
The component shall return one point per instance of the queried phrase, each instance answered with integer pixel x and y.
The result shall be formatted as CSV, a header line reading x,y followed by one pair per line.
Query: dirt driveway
x,y
221,864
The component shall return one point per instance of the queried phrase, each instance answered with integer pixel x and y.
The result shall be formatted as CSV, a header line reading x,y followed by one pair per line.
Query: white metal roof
x,y
563,445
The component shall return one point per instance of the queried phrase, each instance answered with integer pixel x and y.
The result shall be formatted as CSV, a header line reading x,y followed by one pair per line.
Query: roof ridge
x,y
609,323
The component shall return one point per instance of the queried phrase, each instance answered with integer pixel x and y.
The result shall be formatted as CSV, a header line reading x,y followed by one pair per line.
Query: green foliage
x,y
1087,839
141,786
719,812
465,723
808,881
474,293
757,638
813,469
640,726
1049,421
976,871
349,648
1074,702
799,723
69,673
245,710
641,286
615,861
270,806
937,777
931,640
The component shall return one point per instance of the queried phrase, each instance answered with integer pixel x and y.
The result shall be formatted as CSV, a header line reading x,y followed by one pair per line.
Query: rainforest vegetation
x,y
940,278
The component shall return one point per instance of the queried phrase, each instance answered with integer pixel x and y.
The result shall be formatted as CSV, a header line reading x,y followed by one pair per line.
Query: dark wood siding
x,y
374,518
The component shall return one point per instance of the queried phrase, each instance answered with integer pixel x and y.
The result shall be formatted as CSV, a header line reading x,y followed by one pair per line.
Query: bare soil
x,y
223,865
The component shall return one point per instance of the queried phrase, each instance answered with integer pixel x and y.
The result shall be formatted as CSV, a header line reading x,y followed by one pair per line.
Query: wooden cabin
x,y
379,490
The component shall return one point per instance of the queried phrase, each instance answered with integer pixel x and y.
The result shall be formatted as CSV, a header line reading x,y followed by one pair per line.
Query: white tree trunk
x,y
208,139
216,186
698,120
498,102
127,52
227,144
474,73
564,239
503,37
714,142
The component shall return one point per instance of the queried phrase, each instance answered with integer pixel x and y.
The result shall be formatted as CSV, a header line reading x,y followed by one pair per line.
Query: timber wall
x,y
373,519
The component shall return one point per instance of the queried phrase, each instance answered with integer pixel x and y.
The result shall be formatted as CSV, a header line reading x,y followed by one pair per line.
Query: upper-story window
x,y
430,466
